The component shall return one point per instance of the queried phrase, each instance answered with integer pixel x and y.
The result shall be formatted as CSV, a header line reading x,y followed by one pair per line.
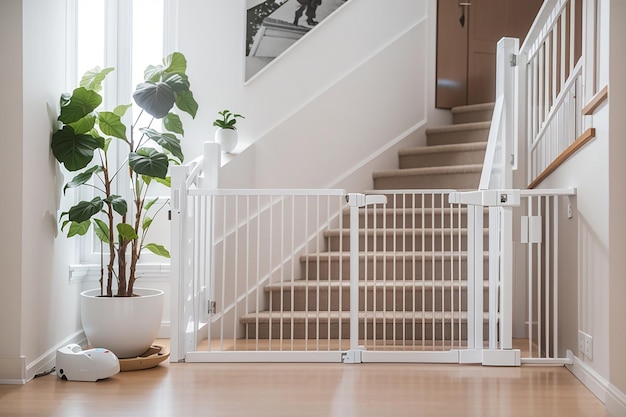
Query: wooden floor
x,y
297,390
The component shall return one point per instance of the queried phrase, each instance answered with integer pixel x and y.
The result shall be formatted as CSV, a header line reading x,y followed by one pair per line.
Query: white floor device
x,y
75,364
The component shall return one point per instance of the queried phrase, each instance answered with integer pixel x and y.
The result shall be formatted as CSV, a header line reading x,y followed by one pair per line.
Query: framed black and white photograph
x,y
274,25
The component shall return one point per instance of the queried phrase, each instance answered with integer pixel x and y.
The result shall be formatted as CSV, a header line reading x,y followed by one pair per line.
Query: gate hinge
x,y
513,60
212,307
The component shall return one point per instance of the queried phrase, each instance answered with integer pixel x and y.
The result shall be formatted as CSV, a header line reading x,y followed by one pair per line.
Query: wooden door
x,y
467,34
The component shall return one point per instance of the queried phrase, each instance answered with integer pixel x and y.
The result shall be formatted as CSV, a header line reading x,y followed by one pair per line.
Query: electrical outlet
x,y
570,214
589,346
585,344
581,342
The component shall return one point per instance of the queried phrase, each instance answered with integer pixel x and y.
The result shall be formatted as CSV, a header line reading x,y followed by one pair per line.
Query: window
x,y
127,35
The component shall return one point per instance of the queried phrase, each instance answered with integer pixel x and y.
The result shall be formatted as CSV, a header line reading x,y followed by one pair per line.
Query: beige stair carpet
x,y
421,301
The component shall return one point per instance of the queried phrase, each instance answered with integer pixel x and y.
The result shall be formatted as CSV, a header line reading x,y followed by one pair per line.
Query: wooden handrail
x,y
578,143
598,99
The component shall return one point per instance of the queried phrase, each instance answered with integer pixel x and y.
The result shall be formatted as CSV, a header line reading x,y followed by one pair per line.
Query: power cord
x,y
45,373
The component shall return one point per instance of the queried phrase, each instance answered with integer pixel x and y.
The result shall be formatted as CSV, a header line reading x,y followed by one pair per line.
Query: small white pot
x,y
127,326
227,138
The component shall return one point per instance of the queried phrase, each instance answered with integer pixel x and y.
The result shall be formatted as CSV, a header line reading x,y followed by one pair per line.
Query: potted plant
x,y
86,141
226,134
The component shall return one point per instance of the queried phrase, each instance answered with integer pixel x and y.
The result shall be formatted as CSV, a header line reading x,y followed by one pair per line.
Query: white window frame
x,y
117,50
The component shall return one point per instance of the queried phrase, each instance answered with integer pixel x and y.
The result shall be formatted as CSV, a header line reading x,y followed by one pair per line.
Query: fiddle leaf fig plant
x,y
84,144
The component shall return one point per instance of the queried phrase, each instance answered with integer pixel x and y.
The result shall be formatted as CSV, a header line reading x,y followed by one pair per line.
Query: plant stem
x,y
111,265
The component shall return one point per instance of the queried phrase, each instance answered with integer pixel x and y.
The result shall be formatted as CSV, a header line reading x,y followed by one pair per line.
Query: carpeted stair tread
x,y
334,316
473,108
378,232
461,127
457,147
472,113
382,255
400,285
453,169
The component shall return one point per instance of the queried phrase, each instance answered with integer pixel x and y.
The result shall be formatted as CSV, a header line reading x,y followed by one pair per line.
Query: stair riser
x,y
406,242
419,199
382,300
473,116
398,331
461,136
442,159
401,269
429,181
411,220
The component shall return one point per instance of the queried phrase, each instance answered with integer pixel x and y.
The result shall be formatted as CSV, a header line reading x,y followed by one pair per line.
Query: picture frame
x,y
273,26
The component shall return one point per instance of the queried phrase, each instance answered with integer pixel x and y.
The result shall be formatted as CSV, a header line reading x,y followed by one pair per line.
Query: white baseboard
x,y
43,363
46,361
12,370
613,399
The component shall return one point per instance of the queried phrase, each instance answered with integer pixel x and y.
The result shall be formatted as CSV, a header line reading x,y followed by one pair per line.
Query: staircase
x,y
317,306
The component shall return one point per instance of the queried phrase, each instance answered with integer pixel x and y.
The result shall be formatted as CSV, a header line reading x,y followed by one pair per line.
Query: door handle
x,y
462,18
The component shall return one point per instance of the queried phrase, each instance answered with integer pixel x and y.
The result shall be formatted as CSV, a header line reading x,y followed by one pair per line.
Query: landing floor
x,y
260,390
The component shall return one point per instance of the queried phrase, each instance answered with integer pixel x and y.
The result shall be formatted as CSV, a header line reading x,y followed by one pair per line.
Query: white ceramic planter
x,y
125,325
227,138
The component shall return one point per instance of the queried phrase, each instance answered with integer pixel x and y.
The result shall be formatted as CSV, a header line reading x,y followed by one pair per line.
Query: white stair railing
x,y
551,70
538,104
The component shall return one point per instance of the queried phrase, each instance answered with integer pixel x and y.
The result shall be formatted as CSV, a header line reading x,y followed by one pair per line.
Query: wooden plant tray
x,y
149,359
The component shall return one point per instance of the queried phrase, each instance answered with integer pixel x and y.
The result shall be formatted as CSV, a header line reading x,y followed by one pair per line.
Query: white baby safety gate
x,y
392,275
325,275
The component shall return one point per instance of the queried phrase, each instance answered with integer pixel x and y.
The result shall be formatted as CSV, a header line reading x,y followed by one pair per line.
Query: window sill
x,y
91,272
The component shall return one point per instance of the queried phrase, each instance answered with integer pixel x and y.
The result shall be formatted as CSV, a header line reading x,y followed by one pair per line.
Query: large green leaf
x,y
83,177
186,102
156,98
84,124
85,210
167,141
153,73
173,123
121,109
149,161
150,203
102,230
81,103
72,150
126,231
167,181
92,80
158,249
111,124
119,204
78,228
178,82
176,63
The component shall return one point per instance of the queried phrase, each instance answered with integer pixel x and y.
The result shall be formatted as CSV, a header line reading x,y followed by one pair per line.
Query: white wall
x,y
48,297
10,189
36,295
317,113
598,172
617,204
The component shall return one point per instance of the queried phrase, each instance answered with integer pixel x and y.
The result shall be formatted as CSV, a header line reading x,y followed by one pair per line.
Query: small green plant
x,y
228,120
